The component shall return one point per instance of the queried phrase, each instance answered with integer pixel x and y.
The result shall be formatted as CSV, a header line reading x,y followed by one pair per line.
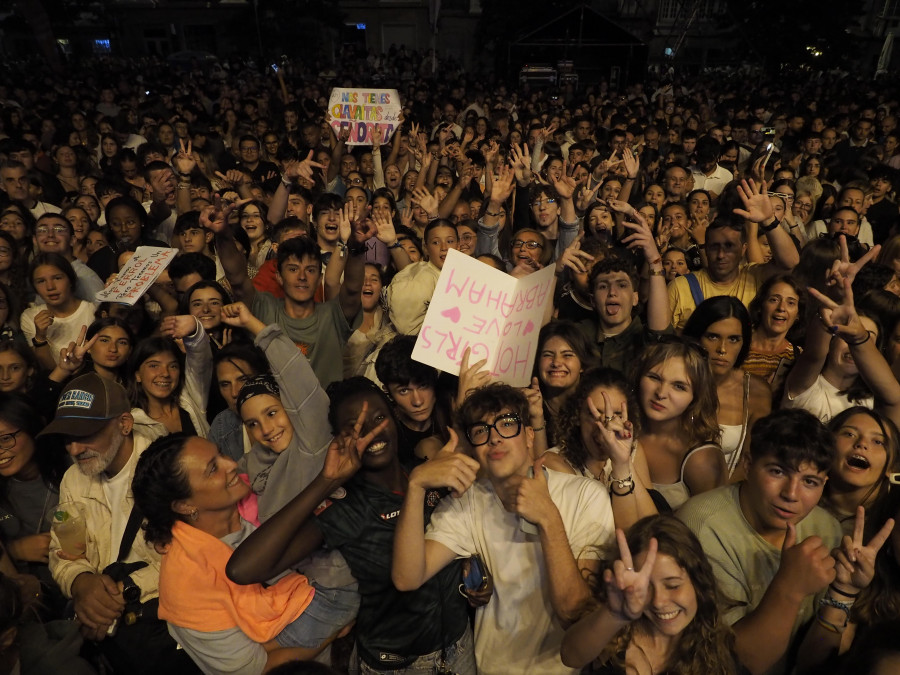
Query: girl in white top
x,y
841,365
596,440
57,321
679,433
722,327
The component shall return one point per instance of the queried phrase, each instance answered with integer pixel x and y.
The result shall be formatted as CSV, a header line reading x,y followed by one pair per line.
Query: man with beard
x,y
725,248
94,421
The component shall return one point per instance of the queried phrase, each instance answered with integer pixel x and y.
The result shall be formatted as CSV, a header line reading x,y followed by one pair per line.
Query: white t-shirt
x,y
823,400
63,330
518,631
115,489
865,236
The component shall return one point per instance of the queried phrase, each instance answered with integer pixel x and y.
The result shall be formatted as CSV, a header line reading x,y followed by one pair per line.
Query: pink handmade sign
x,y
495,315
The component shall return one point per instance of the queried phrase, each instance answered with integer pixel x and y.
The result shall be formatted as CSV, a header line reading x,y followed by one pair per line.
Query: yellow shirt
x,y
744,287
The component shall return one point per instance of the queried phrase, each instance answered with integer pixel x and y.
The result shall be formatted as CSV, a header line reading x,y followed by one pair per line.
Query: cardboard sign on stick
x,y
495,315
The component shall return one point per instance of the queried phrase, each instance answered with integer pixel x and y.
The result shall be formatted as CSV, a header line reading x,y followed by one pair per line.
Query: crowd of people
x,y
699,479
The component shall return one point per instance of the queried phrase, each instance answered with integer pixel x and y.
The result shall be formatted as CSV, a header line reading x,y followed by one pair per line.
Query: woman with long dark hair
x,y
721,325
659,614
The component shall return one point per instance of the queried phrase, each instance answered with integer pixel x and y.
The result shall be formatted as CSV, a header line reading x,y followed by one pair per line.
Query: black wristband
x,y
356,249
768,228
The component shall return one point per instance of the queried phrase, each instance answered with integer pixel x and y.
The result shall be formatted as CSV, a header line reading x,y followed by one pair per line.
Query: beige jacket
x,y
88,492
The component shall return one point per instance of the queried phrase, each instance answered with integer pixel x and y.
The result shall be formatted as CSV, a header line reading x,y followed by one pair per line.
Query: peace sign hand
x,y
843,268
628,590
184,161
72,357
841,319
344,455
615,431
855,563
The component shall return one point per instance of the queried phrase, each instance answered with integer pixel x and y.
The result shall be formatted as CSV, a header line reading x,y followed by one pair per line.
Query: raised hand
x,y
757,206
535,399
632,164
614,431
384,229
619,206
215,218
841,319
237,314
806,567
426,200
565,185
348,216
448,468
628,590
855,566
586,196
233,178
344,455
502,186
305,169
521,163
377,137
178,327
844,269
642,237
406,216
184,161
472,376
574,258
71,358
160,182
533,502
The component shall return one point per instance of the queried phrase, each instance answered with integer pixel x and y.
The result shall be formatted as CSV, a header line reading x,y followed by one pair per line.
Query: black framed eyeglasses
x,y
531,245
508,425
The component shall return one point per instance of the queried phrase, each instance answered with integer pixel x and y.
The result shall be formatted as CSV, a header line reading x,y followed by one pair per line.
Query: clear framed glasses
x,y
508,425
47,229
548,202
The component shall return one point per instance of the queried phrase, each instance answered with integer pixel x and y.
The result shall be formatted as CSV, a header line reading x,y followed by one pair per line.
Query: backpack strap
x,y
694,284
135,518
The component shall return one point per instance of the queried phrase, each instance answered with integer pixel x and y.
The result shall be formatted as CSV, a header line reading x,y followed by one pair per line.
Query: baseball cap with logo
x,y
86,405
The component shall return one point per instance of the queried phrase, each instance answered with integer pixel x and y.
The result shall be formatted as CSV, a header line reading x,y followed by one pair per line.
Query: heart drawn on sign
x,y
528,328
453,314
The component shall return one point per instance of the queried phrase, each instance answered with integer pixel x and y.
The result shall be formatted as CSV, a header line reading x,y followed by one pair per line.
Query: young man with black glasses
x,y
535,530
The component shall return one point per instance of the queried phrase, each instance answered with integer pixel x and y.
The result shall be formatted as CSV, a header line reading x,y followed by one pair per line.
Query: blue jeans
x,y
330,610
457,658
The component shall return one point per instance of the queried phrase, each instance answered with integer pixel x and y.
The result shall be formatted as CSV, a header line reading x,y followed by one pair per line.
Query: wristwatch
x,y
131,592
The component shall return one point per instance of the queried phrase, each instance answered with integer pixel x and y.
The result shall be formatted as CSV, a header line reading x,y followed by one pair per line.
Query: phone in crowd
x,y
475,580
274,67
